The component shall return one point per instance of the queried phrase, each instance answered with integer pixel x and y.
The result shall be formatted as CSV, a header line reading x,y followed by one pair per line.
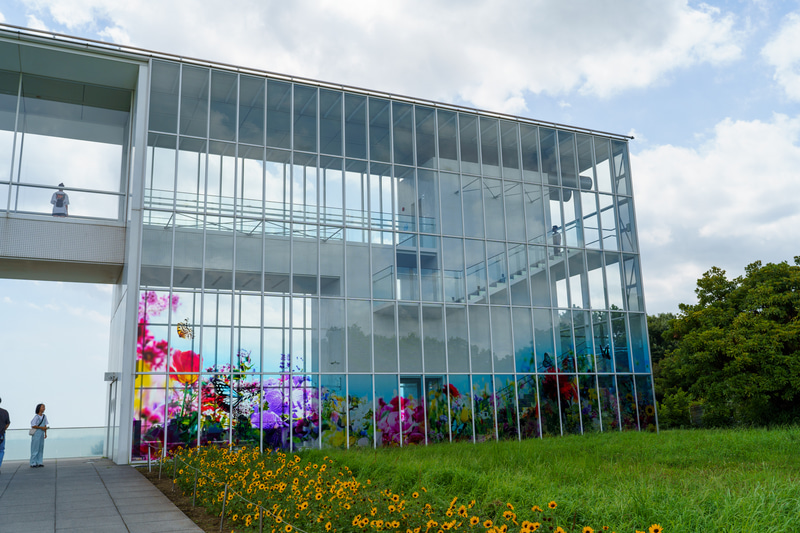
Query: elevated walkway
x,y
84,495
44,248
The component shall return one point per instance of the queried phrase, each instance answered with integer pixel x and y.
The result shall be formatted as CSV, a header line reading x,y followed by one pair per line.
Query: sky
x,y
710,92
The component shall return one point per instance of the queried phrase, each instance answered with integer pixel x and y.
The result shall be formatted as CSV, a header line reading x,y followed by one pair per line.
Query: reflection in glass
x,y
453,265
614,281
639,345
403,130
355,126
359,336
330,122
549,405
483,397
476,271
498,272
468,136
357,250
361,425
603,163
543,335
163,97
566,152
457,343
620,165
379,130
645,403
584,347
305,118
333,410
408,324
430,256
480,345
627,402
528,407
407,204
451,204
495,213
436,400
518,276
627,235
332,341
426,137
448,140
535,214
222,118
590,412
331,196
530,153
501,339
591,220
566,349
428,201
621,346
547,138
472,196
194,101
523,340
407,267
384,317
460,408
570,404
433,338
489,147
577,280
251,110
304,258
515,212
279,113
609,407
509,137
602,341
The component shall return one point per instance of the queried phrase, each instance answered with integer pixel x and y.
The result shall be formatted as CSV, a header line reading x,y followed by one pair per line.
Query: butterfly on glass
x,y
184,330
547,362
230,398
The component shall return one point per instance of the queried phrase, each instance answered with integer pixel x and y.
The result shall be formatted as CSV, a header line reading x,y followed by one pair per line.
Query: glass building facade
x,y
315,266
358,270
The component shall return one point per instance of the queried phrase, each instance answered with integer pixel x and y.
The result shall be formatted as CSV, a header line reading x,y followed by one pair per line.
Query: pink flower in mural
x,y
181,364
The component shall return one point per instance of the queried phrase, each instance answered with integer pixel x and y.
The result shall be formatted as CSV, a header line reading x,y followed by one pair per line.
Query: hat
x,y
60,184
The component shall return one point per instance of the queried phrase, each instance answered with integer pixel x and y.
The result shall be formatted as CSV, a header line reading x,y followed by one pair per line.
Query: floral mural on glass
x,y
627,402
460,408
438,429
644,400
398,420
483,399
506,398
548,402
570,406
609,407
333,405
528,407
361,425
590,414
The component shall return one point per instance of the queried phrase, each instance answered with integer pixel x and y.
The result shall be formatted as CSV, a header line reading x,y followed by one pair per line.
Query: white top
x,y
39,421
54,200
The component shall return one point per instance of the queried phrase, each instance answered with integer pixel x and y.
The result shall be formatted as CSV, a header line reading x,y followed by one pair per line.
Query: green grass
x,y
738,480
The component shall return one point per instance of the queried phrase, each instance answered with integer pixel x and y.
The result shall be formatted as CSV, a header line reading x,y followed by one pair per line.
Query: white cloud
x,y
783,53
35,24
489,53
727,203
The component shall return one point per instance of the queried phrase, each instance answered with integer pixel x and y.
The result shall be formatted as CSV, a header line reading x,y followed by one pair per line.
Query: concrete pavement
x,y
84,495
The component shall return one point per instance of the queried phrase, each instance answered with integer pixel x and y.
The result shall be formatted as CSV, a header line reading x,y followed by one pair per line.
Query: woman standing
x,y
39,424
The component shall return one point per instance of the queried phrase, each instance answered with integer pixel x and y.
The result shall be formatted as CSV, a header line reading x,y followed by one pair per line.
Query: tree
x,y
738,349
662,342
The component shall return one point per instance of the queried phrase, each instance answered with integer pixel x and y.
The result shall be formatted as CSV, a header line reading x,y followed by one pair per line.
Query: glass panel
x,y
163,97
430,257
304,188
627,235
406,197
182,402
566,349
584,347
484,408
585,166
380,130
510,149
603,162
506,401
333,406
409,338
468,135
149,413
305,118
613,281
385,338
573,228
451,204
558,278
518,276
523,340
219,255
355,126
251,189
609,408
332,190
597,295
460,409
331,261
501,340
639,345
547,139
359,336
403,121
590,412
549,403
495,213
356,194
407,267
361,424
330,122
566,151
381,193
194,101
645,403
160,172
436,394
275,333
428,202
530,153
515,212
540,287
498,272
480,345
357,249
602,341
383,255
215,424
489,147
221,180
279,113
448,140
577,280
412,411
453,257
627,402
426,137
304,335
632,287
251,110
543,335
528,407
305,412
224,92
621,348
534,214
570,406
621,177
277,188
433,338
608,222
457,344
591,220
304,258
476,271
387,411
332,343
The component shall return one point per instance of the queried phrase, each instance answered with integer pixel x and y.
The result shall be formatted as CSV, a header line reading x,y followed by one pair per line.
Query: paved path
x,y
86,495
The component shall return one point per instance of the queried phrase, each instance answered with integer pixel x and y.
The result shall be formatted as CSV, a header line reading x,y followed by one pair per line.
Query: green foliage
x,y
674,411
738,349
